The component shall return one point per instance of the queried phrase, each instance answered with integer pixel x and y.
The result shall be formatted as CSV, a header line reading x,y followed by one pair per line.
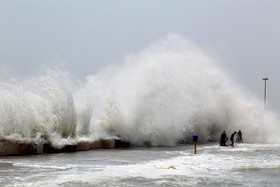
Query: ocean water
x,y
160,96
243,165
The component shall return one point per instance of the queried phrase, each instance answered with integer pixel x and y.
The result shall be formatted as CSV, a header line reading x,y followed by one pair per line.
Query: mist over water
x,y
159,96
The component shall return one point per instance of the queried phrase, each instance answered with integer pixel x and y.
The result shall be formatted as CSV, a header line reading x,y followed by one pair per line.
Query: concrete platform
x,y
108,143
96,144
83,146
15,148
34,149
48,148
113,143
121,144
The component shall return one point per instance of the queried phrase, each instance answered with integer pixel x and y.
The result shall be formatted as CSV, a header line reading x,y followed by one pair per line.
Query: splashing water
x,y
162,95
38,109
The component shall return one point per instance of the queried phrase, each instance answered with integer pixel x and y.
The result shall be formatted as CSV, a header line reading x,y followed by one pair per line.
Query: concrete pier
x,y
34,149
83,146
121,144
15,148
96,144
48,148
108,143
114,143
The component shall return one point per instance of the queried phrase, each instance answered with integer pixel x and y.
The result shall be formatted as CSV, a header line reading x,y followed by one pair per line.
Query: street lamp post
x,y
265,79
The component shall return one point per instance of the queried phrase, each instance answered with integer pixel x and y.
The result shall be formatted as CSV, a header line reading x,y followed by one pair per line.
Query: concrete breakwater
x,y
14,148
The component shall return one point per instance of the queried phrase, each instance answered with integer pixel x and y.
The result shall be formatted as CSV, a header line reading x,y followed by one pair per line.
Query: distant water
x,y
243,165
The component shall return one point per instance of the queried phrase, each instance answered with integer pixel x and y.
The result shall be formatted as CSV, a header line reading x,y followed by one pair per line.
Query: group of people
x,y
224,138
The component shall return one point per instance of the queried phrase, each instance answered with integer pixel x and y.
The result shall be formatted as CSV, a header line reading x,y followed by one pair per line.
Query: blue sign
x,y
195,137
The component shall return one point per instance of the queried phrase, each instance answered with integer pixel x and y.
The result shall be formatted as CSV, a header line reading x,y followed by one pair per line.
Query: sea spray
x,y
39,109
170,91
21,113
160,96
58,89
84,105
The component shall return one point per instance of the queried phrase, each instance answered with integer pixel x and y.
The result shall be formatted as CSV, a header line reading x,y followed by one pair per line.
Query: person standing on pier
x,y
239,138
232,138
223,139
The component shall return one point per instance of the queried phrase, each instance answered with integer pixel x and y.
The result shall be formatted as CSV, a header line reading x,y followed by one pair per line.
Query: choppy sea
x,y
242,165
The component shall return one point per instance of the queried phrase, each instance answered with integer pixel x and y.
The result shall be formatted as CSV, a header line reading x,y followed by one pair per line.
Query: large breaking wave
x,y
159,96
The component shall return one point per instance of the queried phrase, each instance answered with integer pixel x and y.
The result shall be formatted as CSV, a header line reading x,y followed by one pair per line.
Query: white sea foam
x,y
172,90
212,165
163,94
42,166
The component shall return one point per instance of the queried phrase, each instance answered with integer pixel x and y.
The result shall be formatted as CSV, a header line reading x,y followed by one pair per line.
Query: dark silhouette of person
x,y
223,139
232,138
239,138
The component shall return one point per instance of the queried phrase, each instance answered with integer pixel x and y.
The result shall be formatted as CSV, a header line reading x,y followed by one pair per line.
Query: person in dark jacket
x,y
239,138
223,139
232,138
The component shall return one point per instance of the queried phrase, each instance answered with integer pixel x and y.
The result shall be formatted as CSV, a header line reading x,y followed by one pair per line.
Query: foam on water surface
x,y
244,165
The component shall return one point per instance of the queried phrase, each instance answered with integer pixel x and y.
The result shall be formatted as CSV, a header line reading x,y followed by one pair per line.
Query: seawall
x,y
15,148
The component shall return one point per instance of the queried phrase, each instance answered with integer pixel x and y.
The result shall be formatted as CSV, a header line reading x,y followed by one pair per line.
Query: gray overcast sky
x,y
87,35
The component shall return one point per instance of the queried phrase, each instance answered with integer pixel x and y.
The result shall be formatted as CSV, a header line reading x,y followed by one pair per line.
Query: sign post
x,y
195,138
